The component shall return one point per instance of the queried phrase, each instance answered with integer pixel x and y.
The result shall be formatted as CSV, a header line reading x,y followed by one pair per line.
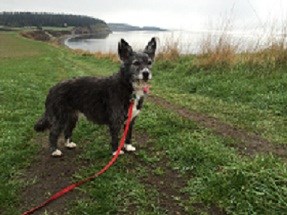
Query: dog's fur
x,y
101,100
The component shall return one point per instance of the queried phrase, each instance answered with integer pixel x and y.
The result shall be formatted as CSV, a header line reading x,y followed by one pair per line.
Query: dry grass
x,y
112,56
273,52
99,55
222,50
273,56
169,49
219,48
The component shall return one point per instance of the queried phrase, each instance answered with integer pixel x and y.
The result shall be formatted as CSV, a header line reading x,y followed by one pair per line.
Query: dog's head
x,y
137,65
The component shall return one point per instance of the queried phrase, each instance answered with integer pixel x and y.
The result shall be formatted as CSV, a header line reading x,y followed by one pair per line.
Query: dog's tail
x,y
42,124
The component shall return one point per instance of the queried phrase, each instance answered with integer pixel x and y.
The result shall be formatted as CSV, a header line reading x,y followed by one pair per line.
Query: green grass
x,y
238,184
19,99
11,47
27,71
251,98
118,189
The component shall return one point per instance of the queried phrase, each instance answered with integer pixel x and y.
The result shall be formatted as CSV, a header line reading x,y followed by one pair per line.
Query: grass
x,y
245,96
118,189
252,98
218,50
170,50
13,48
19,99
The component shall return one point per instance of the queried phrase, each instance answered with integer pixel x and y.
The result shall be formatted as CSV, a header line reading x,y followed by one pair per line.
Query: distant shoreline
x,y
122,27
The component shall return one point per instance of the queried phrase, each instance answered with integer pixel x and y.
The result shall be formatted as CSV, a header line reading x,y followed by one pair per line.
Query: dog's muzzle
x,y
145,75
141,82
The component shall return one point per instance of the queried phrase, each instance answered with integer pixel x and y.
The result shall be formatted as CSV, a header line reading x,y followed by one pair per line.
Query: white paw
x,y
121,152
57,153
130,148
70,145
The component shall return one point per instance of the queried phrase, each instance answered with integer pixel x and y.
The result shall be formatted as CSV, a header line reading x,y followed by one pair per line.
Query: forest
x,y
25,19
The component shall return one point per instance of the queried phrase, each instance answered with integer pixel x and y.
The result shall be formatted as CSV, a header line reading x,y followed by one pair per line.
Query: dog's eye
x,y
149,63
136,63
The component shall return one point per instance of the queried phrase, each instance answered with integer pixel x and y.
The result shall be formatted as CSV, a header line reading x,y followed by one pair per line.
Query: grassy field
x,y
249,97
181,166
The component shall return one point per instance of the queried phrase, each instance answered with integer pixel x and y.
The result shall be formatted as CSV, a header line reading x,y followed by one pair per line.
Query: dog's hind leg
x,y
128,143
71,124
55,132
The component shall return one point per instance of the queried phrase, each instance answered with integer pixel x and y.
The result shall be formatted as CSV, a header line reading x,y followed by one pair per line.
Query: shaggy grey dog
x,y
101,100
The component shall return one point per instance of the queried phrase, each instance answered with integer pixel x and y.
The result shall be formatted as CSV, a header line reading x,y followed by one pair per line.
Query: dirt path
x,y
246,143
168,182
48,175
168,185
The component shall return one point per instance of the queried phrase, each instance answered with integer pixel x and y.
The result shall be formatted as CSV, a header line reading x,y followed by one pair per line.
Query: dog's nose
x,y
145,75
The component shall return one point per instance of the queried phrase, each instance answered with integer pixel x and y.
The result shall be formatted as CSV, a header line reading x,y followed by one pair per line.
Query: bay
x,y
191,42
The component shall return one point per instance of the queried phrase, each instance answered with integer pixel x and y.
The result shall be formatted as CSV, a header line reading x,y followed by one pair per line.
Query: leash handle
x,y
104,169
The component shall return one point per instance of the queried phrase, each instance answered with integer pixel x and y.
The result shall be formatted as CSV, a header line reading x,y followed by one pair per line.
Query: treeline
x,y
24,19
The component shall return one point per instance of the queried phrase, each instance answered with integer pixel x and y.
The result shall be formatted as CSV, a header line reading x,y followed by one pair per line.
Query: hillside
x,y
52,26
25,19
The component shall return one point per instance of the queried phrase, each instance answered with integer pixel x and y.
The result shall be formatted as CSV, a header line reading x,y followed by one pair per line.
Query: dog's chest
x,y
138,101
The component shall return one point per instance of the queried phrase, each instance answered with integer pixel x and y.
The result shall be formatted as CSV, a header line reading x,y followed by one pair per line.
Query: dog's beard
x,y
141,85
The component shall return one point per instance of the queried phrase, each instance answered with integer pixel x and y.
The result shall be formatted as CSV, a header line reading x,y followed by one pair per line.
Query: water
x,y
188,41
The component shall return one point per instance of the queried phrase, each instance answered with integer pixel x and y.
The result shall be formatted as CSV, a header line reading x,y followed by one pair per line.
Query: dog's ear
x,y
124,50
150,48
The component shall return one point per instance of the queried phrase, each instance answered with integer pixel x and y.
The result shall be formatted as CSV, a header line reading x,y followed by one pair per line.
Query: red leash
x,y
73,186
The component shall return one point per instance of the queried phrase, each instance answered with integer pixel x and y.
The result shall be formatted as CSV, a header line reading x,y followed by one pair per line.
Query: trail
x,y
50,174
47,175
246,143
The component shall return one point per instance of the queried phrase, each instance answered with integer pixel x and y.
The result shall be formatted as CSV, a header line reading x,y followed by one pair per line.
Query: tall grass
x,y
273,51
223,50
220,48
169,49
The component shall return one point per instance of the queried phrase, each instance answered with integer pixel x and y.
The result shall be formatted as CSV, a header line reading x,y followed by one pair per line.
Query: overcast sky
x,y
177,14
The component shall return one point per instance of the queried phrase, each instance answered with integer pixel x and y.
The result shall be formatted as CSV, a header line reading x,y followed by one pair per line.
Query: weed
x,y
169,50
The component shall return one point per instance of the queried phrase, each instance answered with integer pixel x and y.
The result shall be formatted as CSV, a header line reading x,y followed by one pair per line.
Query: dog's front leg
x,y
128,142
114,131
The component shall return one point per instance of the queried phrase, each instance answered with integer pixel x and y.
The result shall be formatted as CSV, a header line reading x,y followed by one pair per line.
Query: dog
x,y
103,101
